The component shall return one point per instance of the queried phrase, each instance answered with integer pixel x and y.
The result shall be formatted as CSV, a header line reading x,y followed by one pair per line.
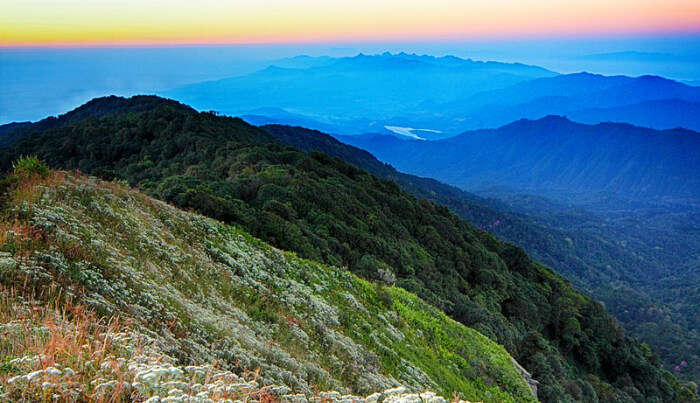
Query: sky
x,y
139,22
58,54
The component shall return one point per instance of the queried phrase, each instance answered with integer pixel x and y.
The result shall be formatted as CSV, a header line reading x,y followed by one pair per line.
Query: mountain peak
x,y
652,77
104,105
547,121
554,119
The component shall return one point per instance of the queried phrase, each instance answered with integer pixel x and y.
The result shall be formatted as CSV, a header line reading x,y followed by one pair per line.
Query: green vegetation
x,y
651,286
641,263
327,210
30,166
203,292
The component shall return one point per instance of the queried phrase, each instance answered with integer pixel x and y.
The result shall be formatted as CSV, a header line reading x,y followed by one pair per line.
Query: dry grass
x,y
26,190
64,347
51,351
264,396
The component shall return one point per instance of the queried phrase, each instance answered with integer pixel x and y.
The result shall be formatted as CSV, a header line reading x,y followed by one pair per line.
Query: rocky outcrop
x,y
527,377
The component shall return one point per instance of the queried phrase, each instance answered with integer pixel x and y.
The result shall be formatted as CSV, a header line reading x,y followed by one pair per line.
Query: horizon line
x,y
525,37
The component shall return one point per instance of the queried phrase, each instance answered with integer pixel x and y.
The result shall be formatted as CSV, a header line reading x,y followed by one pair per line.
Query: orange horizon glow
x,y
73,23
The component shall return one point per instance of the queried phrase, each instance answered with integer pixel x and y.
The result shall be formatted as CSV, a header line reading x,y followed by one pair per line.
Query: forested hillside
x,y
327,210
651,288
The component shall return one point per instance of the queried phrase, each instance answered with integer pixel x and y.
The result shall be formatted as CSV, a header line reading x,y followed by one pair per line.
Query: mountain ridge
x,y
457,94
655,114
620,149
356,90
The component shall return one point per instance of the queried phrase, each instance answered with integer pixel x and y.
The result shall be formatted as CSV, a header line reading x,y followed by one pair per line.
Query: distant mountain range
x,y
657,114
555,157
356,94
366,93
586,97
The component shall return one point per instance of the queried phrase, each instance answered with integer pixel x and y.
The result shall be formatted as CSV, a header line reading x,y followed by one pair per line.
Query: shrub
x,y
384,296
30,166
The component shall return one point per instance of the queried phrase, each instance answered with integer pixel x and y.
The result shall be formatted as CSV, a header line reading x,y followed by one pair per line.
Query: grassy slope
x,y
209,291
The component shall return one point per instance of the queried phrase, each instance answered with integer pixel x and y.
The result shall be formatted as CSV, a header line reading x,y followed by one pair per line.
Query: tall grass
x,y
51,351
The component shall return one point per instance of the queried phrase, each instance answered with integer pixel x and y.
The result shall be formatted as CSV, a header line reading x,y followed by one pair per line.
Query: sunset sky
x,y
138,22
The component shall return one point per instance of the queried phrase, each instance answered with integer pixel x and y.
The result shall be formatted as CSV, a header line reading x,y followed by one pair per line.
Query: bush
x,y
384,296
30,166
